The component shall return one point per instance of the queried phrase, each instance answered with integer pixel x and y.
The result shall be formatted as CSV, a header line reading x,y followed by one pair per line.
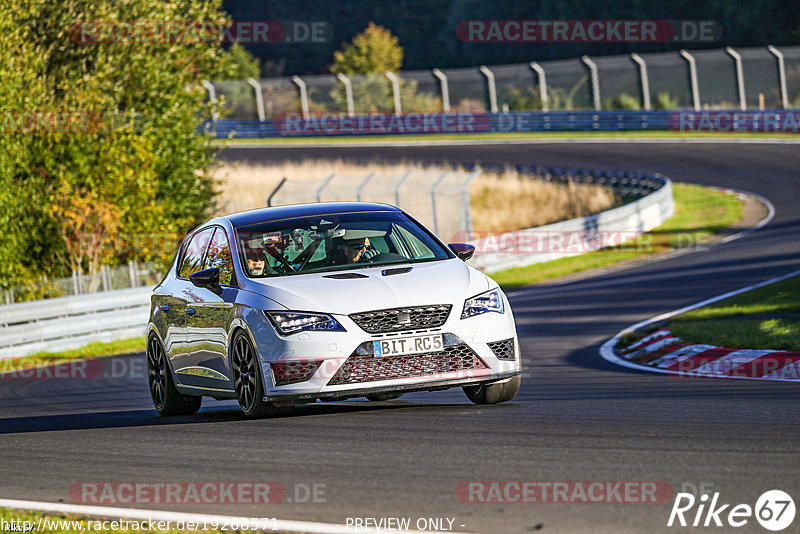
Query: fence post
x,y
433,201
76,290
395,91
492,89
348,93
643,80
301,86
133,275
781,75
692,78
542,84
737,61
280,184
323,186
443,88
397,187
592,66
259,98
362,185
212,97
105,277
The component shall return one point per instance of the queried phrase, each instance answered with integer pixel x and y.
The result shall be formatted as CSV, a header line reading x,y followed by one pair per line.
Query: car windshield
x,y
334,242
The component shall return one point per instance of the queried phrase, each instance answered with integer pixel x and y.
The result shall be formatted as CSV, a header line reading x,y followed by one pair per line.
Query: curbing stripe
x,y
221,521
607,349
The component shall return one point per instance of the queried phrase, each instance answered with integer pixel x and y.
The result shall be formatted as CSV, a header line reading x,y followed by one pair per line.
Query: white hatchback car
x,y
287,305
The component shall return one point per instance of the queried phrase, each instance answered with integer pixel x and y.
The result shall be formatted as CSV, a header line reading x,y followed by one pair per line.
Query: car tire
x,y
377,397
166,398
247,379
492,393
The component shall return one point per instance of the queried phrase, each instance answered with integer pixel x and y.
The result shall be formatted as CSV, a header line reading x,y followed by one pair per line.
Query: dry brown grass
x,y
500,202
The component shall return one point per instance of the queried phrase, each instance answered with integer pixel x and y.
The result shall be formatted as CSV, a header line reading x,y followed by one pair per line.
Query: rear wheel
x,y
166,399
494,392
247,379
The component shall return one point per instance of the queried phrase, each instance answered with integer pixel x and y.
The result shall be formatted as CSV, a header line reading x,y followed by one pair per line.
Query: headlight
x,y
292,322
491,301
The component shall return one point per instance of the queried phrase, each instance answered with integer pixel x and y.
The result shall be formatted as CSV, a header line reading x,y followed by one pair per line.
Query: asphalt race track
x,y
577,418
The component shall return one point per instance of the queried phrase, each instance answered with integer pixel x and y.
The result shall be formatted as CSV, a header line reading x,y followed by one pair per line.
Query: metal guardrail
x,y
70,322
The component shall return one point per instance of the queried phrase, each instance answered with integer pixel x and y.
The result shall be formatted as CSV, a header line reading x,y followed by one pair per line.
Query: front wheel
x,y
495,392
166,399
247,379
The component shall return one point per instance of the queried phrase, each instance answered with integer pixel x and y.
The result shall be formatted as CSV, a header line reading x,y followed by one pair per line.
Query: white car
x,y
286,305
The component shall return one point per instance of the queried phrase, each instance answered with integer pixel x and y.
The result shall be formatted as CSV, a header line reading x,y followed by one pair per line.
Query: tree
x,y
375,50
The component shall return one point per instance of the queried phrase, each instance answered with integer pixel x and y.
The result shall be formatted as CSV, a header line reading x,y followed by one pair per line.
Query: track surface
x,y
576,417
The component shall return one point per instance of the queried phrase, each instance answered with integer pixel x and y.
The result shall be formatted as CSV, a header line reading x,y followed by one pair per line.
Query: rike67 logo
x,y
774,510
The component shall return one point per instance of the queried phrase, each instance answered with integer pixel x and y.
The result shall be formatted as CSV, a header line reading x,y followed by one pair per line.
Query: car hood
x,y
440,282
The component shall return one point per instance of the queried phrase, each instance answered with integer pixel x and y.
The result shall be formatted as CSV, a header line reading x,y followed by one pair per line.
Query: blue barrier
x,y
342,124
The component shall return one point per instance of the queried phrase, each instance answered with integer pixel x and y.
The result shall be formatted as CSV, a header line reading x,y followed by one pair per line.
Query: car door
x,y
182,291
209,315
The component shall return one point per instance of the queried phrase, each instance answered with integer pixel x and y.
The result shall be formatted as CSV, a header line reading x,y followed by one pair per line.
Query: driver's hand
x,y
367,254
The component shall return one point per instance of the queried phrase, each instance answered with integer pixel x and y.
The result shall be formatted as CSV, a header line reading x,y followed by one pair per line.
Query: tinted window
x,y
193,254
219,255
334,242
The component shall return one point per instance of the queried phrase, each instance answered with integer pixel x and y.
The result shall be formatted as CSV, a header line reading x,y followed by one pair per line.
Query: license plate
x,y
408,345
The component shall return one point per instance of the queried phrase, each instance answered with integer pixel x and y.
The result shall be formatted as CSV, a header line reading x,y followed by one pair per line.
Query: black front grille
x,y
503,349
397,319
357,369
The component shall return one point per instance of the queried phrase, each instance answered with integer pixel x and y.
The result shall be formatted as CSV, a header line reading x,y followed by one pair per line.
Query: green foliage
x,y
130,161
239,64
622,101
375,50
665,101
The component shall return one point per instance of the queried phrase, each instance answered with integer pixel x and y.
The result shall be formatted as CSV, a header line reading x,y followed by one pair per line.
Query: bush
x,y
134,166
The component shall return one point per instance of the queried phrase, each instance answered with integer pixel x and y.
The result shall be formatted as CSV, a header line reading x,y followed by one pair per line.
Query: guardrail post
x,y
397,187
362,185
395,91
692,78
465,201
542,84
325,183
490,85
643,80
212,97
433,201
348,93
301,86
781,75
737,60
259,96
443,88
592,66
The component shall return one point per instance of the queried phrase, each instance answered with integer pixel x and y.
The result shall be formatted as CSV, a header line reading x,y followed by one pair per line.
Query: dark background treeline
x,y
426,28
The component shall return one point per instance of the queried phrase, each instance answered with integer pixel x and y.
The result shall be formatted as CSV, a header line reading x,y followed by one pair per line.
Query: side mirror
x,y
207,278
462,250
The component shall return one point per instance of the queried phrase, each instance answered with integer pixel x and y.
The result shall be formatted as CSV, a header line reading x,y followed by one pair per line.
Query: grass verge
x,y
92,350
507,135
765,318
700,214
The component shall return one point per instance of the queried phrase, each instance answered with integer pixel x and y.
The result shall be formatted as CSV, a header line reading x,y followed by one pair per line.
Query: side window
x,y
219,255
193,255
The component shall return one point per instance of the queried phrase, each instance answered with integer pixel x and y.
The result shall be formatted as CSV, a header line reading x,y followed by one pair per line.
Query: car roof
x,y
246,218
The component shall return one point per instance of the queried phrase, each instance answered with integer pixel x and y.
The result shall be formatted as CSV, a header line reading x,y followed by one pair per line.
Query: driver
x,y
256,266
358,250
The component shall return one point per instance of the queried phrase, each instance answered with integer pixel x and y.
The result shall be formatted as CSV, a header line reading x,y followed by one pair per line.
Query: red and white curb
x,y
661,352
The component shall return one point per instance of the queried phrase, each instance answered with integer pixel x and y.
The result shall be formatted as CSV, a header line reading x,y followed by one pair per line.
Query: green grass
x,y
765,318
92,350
508,135
700,213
